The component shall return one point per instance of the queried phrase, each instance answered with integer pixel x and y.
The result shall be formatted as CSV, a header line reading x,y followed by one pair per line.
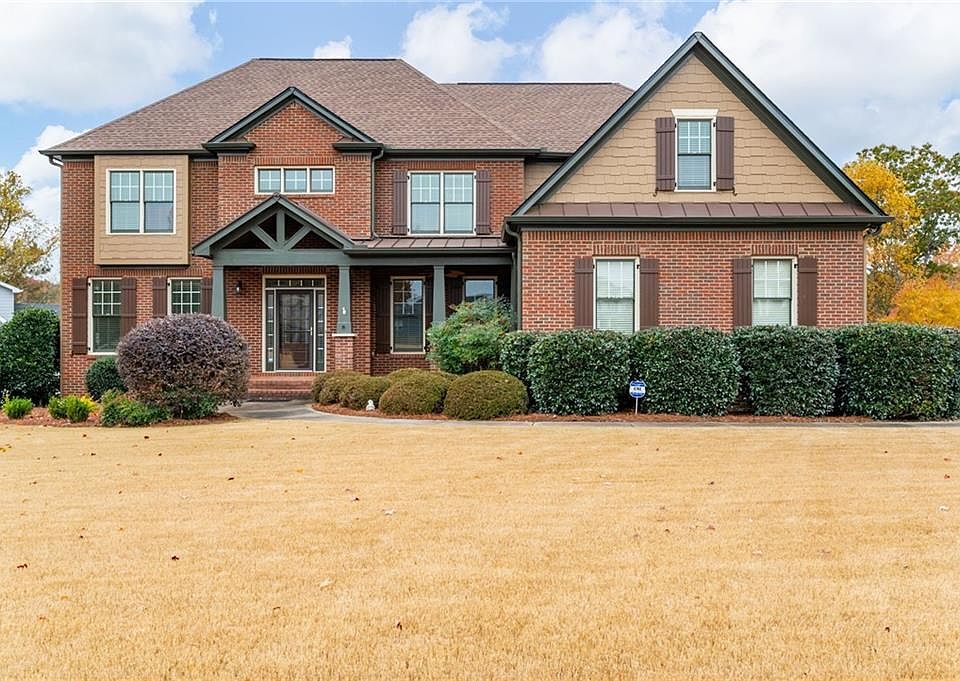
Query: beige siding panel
x,y
142,249
535,174
623,168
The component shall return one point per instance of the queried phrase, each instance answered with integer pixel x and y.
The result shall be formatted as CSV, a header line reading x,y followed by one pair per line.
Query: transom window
x,y
773,292
407,312
294,180
615,295
184,296
694,154
133,211
441,203
104,315
479,289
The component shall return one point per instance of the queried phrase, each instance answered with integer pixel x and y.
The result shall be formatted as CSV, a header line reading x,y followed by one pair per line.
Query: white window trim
x,y
794,270
423,316
480,277
141,171
696,115
283,180
636,287
90,315
170,281
443,230
263,320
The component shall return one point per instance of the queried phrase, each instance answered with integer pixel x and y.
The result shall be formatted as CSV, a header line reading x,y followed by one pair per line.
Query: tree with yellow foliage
x,y
933,301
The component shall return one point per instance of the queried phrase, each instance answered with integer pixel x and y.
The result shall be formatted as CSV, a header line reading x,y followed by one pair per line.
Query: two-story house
x,y
332,210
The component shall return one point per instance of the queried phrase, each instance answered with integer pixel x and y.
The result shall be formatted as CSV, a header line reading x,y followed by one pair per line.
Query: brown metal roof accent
x,y
434,242
696,209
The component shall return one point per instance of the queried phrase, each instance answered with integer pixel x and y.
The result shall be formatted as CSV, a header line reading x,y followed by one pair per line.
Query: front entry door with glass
x,y
294,322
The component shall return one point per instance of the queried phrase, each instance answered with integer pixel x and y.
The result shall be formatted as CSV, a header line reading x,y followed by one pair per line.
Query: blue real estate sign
x,y
638,389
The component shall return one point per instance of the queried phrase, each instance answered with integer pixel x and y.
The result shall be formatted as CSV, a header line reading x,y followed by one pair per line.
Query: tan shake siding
x,y
623,167
141,249
534,174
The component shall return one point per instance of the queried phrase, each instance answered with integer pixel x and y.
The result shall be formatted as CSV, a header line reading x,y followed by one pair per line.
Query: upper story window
x,y
141,201
773,292
695,154
442,203
294,181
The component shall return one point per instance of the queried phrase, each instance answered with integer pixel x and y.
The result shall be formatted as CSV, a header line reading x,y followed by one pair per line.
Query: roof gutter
x,y
562,222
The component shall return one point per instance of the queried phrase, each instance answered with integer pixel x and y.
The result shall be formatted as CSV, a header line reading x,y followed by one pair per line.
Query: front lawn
x,y
307,550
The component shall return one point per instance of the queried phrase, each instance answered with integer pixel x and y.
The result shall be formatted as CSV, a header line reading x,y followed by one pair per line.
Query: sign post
x,y
638,389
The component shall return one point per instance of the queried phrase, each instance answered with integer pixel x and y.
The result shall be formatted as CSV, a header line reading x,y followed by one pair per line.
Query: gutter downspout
x,y
517,257
373,191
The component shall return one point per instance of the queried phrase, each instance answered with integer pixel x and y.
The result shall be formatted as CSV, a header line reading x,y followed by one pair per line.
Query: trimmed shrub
x,y
404,374
515,353
187,364
469,339
421,394
788,370
333,384
102,376
17,407
690,371
485,395
578,372
57,408
361,389
121,410
78,408
898,371
30,355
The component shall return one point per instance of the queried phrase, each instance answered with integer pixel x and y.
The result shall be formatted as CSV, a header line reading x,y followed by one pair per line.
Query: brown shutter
x,y
206,295
742,292
128,305
483,202
399,203
807,291
78,307
666,154
454,287
159,296
724,153
583,293
381,316
649,292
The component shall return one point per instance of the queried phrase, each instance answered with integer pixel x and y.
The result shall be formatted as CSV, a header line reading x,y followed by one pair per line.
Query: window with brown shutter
x,y
649,292
742,292
807,291
78,316
399,227
724,153
128,305
583,293
483,201
666,129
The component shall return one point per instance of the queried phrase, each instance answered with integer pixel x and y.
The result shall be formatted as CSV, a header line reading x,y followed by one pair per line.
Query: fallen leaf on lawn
x,y
174,557
22,566
399,625
231,478
325,584
944,508
389,511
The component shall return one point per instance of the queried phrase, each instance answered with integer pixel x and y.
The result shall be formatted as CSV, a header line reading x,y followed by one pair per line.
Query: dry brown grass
x,y
385,551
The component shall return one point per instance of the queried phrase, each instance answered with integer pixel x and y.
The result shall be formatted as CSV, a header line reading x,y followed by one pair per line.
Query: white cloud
x,y
94,56
443,42
334,49
42,177
606,43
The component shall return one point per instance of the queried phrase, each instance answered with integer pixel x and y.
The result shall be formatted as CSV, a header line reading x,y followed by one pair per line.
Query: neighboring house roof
x,y
13,289
386,99
751,95
552,116
692,212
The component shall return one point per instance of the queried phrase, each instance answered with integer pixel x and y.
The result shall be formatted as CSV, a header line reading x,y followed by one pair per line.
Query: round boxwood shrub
x,y
332,384
359,390
187,364
788,370
404,374
30,355
469,339
515,353
485,395
690,371
421,394
17,407
897,371
102,376
119,409
578,372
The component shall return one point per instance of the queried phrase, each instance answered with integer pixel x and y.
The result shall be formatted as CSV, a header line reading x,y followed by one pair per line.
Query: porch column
x,y
439,294
218,304
343,301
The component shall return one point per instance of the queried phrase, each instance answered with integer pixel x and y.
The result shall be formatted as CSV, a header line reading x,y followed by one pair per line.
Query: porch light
x,y
239,287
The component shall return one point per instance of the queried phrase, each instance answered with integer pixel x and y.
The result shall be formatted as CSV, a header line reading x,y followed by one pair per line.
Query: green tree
x,y
25,241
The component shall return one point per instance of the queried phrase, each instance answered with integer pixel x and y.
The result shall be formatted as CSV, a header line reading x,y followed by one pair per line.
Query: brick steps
x,y
272,388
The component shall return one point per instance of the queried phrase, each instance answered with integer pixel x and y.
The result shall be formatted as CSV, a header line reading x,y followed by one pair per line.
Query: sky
x,y
851,75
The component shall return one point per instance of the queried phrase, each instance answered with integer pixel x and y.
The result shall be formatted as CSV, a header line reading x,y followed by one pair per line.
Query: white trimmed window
x,y
442,203
407,315
615,292
104,315
294,180
479,288
184,296
695,154
774,292
141,202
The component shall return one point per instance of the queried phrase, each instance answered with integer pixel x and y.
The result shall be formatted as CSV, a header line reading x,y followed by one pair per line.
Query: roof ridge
x,y
325,59
535,82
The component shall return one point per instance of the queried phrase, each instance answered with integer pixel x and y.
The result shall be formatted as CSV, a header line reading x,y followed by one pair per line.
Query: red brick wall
x,y
695,271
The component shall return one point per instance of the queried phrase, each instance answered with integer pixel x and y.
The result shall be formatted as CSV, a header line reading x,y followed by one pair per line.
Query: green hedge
x,y
422,394
469,339
361,389
515,353
898,371
579,372
102,376
788,370
687,370
485,395
30,355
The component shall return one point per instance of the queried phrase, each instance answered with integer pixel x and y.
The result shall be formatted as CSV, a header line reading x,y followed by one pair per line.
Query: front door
x,y
295,330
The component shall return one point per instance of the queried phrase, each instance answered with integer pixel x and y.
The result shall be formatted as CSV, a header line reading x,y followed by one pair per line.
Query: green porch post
x,y
343,301
439,294
219,299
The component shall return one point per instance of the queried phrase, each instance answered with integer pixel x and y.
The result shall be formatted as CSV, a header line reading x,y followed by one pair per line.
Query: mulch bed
x,y
624,416
39,416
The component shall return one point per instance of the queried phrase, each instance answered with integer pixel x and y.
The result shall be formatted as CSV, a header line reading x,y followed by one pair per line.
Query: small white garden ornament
x,y
370,405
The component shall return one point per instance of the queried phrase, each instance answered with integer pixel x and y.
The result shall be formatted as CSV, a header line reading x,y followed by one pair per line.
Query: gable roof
x,y
10,287
751,95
